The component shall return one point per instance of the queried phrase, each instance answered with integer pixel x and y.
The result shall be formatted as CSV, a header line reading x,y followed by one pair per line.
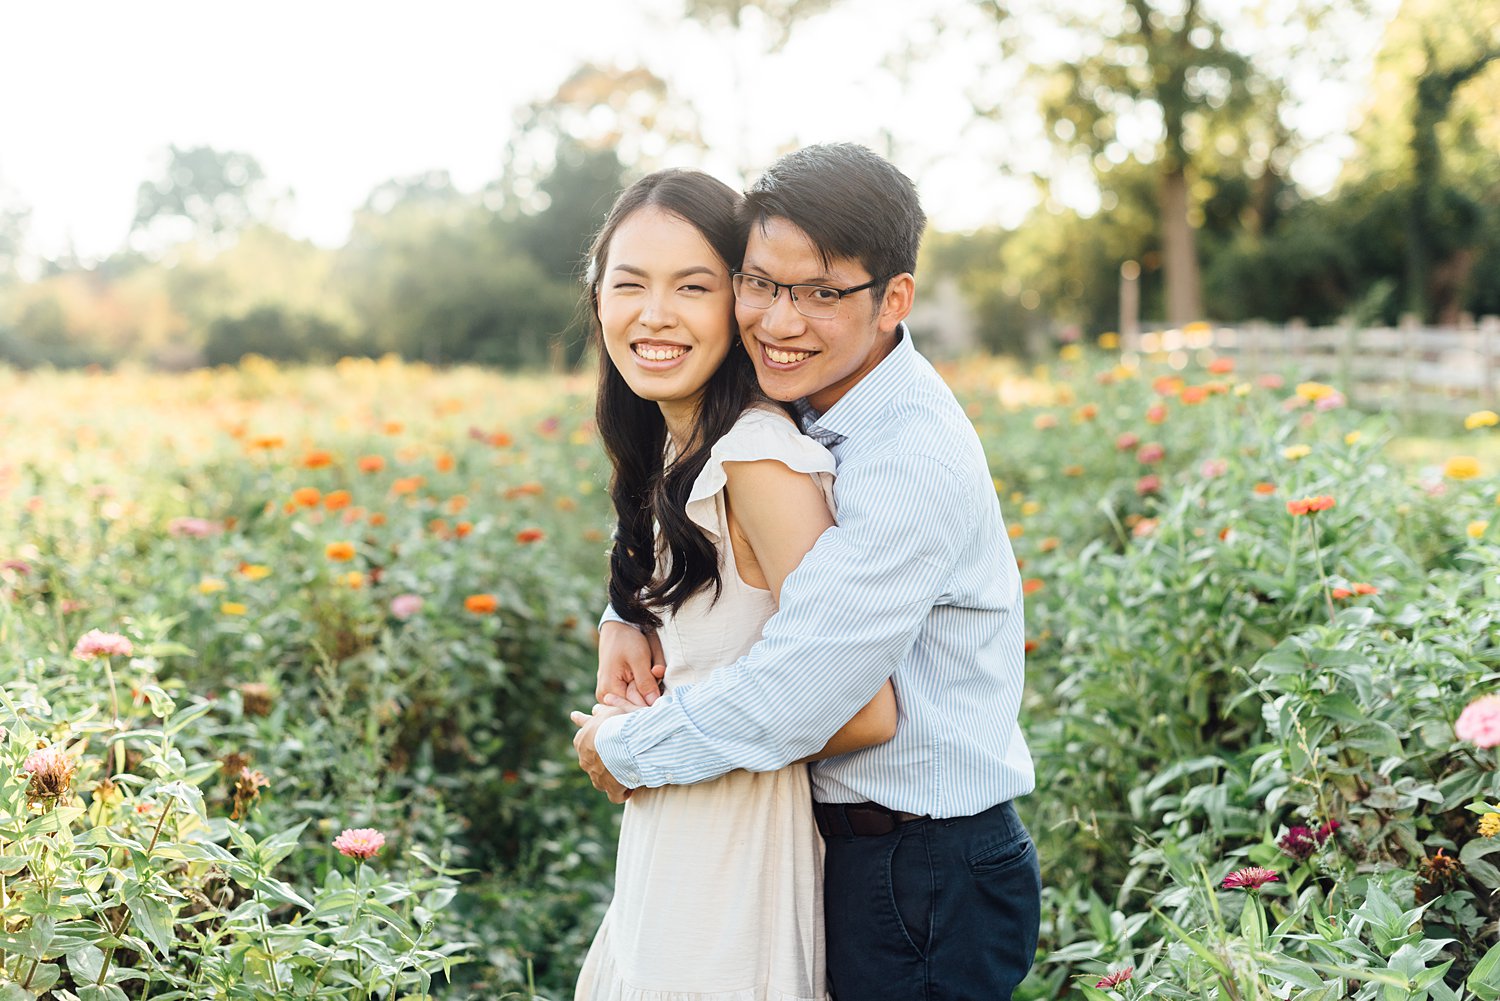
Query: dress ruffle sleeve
x,y
758,434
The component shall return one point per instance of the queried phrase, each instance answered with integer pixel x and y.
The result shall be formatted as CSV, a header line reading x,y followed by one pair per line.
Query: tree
x,y
1180,86
202,194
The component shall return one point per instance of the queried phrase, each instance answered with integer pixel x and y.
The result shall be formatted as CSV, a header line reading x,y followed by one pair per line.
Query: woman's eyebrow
x,y
697,269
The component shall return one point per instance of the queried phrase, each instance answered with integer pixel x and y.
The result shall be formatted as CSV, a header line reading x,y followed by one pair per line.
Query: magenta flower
x,y
1148,484
404,606
1299,842
1150,452
1127,441
1213,468
192,528
95,643
1326,830
1250,878
1331,401
1116,978
360,843
1479,723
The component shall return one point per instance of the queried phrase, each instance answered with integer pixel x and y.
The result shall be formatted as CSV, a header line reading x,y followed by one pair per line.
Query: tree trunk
x,y
1179,251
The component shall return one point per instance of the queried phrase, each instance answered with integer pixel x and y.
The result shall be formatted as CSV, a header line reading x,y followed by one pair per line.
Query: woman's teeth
x,y
651,353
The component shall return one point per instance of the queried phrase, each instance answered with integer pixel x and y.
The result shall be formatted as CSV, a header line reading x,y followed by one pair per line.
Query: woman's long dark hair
x,y
647,490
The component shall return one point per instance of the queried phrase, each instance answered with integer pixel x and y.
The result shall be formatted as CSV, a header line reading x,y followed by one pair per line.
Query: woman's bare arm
x,y
780,513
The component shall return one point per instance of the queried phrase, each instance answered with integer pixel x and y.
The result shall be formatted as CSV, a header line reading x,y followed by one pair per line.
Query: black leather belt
x,y
862,820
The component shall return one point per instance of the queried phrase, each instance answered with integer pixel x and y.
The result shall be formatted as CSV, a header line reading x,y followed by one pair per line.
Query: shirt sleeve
x,y
849,614
610,615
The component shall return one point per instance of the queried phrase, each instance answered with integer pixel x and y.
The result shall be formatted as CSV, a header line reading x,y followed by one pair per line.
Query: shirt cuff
x,y
609,744
611,616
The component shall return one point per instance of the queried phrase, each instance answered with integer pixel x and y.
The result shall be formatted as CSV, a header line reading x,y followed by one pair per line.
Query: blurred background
x,y
184,183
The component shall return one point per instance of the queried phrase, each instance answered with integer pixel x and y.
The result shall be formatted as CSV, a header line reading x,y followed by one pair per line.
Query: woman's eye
x,y
694,288
626,285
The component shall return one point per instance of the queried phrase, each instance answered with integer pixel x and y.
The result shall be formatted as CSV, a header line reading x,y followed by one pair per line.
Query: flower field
x,y
287,657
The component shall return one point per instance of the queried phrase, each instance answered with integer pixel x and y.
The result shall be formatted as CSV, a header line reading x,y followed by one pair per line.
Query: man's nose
x,y
782,320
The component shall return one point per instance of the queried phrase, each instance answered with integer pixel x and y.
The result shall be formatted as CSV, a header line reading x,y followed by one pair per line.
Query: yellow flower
x,y
354,580
1352,437
999,484
233,608
1030,508
1489,825
1295,452
255,571
1481,419
1461,467
1070,352
1196,327
1242,389
1016,531
211,585
1476,529
1109,341
1313,391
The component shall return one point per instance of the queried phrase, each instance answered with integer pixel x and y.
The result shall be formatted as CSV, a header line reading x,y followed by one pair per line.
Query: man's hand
x,y
588,757
630,664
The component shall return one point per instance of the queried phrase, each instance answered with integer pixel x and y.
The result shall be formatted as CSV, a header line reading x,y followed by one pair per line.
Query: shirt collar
x,y
867,398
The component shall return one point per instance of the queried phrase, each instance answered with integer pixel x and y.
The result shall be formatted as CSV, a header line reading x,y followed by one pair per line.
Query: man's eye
x,y
820,294
758,284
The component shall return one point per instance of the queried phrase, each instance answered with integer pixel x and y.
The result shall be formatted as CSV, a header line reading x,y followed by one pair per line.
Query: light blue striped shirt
x,y
917,582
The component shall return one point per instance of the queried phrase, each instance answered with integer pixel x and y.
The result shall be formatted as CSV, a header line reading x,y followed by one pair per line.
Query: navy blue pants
x,y
936,910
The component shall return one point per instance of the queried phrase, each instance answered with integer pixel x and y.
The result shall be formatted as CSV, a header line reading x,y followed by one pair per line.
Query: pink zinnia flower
x,y
51,770
1148,484
1329,402
1479,723
101,644
1116,978
1299,842
1213,468
1250,878
1150,452
1270,381
360,843
1127,441
192,528
404,606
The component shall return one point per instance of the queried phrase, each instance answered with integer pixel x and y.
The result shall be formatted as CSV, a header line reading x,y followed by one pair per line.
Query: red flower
x,y
528,535
1116,978
1250,878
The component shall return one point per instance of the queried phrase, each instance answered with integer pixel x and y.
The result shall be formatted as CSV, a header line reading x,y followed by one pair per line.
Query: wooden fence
x,y
1410,367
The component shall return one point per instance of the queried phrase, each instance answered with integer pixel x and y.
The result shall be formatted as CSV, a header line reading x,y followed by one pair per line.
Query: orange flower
x,y
444,463
340,552
371,463
266,442
354,580
307,496
1221,366
337,499
1048,544
392,427
1193,394
407,485
1156,414
1031,585
1166,385
1074,470
532,489
500,439
1031,645
1309,505
1087,412
463,528
481,604
1044,421
529,535
437,526
1264,488
377,519
317,459
1341,593
1016,531
1366,589
457,503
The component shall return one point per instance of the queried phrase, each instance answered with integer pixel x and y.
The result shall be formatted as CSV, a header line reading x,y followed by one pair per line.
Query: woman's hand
x,y
630,664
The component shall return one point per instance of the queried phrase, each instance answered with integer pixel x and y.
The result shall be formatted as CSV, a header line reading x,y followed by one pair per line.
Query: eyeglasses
x,y
816,302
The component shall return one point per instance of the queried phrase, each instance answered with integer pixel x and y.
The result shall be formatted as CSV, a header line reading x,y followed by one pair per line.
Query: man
x,y
931,882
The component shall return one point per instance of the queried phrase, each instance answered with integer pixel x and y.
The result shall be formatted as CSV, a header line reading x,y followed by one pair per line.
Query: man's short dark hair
x,y
849,201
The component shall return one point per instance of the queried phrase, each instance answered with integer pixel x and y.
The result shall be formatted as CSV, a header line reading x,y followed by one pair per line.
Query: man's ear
x,y
900,295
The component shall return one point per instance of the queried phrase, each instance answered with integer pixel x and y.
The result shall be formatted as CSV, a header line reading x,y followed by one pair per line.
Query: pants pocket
x,y
913,889
999,858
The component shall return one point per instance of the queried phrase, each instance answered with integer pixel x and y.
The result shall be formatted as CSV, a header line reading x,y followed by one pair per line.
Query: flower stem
x,y
114,698
1312,526
353,921
125,917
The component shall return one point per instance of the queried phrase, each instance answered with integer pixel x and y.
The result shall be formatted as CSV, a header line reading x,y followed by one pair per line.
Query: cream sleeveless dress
x,y
719,886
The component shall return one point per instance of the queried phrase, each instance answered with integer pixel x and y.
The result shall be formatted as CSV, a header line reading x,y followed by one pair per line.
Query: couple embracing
x,y
810,550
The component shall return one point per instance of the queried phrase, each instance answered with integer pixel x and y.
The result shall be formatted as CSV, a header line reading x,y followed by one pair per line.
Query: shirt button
x,y
671,778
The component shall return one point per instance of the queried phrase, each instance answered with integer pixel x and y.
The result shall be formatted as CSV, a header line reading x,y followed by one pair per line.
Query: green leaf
x,y
85,964
153,919
1213,961
1253,921
53,820
104,992
15,992
1484,981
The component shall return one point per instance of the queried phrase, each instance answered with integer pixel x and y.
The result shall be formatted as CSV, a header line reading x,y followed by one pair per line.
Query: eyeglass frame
x,y
791,286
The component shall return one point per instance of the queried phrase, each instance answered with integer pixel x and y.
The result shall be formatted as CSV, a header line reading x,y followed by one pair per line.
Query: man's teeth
x,y
650,353
787,357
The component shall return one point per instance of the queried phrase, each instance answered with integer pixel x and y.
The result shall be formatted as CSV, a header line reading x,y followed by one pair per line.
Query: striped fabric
x,y
916,582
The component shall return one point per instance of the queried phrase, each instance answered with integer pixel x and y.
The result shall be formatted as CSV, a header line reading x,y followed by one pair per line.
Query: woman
x,y
718,497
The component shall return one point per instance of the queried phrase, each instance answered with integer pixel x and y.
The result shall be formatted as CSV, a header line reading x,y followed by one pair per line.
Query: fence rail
x,y
1415,368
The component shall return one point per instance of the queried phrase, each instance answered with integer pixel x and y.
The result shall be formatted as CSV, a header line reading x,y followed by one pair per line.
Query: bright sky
x,y
333,97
